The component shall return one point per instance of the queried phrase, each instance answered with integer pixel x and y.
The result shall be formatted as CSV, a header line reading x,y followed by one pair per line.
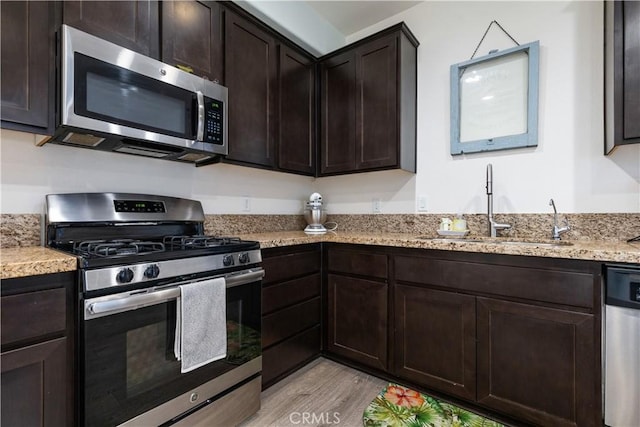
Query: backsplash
x,y
25,229
20,230
229,225
608,227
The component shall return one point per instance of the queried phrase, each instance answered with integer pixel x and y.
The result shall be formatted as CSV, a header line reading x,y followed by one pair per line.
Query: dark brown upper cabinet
x,y
622,70
338,113
250,76
192,36
368,104
130,24
296,112
27,34
271,98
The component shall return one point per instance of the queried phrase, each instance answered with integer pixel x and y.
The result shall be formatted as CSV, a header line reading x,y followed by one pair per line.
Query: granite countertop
x,y
34,260
596,250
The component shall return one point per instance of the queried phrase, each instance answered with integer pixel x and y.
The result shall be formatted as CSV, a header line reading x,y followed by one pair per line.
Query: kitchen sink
x,y
489,240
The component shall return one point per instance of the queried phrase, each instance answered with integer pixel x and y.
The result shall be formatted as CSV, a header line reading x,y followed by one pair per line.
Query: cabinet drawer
x,y
533,282
289,354
285,267
361,263
284,294
34,314
285,323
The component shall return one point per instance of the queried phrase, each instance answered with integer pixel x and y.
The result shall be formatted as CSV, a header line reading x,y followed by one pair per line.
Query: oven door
x,y
128,367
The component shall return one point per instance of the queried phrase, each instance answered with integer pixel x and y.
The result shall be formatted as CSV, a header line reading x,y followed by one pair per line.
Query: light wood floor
x,y
328,393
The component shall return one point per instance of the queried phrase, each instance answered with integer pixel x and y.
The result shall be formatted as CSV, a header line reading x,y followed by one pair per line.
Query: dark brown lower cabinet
x,y
291,310
536,363
435,340
33,385
517,335
37,351
357,320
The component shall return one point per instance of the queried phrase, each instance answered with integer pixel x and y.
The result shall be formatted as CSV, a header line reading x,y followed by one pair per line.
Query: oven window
x,y
149,364
128,361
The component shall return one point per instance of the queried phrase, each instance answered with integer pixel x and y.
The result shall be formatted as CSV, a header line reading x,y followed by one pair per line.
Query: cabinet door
x,y
130,24
26,51
250,75
627,74
338,115
435,339
377,105
538,364
192,37
291,307
34,385
357,320
296,142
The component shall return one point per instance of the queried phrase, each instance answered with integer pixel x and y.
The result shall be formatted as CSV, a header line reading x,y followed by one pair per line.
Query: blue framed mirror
x,y
494,101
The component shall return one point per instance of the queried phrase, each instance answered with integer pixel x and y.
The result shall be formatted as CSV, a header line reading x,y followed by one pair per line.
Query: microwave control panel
x,y
213,120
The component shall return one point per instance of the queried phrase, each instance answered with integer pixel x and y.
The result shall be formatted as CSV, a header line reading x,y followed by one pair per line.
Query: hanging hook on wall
x,y
485,34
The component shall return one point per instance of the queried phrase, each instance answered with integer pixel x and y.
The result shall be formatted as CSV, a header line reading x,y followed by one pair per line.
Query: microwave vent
x,y
84,140
142,151
194,157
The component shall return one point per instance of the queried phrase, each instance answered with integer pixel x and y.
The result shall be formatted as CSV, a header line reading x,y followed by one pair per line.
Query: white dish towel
x,y
201,324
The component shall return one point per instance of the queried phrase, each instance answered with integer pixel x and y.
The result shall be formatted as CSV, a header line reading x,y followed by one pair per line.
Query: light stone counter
x,y
596,250
34,260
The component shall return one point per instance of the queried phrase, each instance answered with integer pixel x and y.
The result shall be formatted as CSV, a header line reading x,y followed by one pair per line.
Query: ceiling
x,y
349,17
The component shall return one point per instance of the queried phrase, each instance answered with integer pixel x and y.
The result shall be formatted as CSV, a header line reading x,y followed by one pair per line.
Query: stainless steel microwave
x,y
114,99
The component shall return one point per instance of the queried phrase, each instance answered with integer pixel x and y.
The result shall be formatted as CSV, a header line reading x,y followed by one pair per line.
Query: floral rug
x,y
397,406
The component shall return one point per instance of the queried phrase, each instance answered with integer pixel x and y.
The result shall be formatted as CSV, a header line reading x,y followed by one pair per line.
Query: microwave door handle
x,y
200,128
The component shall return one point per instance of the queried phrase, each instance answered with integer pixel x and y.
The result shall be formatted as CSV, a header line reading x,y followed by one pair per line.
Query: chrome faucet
x,y
557,230
493,226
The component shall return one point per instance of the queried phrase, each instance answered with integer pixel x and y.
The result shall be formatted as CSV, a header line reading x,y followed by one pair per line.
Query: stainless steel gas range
x,y
137,254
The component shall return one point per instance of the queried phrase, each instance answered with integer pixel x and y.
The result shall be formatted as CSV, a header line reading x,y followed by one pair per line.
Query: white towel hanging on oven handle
x,y
201,324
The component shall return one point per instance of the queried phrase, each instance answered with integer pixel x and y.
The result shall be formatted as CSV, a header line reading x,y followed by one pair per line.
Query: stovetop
x,y
118,229
102,248
113,252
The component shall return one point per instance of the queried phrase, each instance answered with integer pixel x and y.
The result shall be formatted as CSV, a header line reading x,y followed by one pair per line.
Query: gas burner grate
x,y
110,248
198,242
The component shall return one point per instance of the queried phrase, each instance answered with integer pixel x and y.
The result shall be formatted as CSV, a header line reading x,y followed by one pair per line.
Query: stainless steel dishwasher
x,y
622,346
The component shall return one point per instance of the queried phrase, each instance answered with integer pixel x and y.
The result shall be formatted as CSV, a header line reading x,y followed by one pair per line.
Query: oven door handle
x,y
132,302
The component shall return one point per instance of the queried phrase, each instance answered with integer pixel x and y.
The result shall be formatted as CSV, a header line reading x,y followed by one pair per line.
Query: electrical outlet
x,y
246,204
422,203
376,205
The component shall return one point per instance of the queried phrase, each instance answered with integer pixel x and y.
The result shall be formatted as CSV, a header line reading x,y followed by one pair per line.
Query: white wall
x,y
299,22
30,172
568,164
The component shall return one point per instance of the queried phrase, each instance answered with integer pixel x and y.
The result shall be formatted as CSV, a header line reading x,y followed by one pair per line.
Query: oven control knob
x,y
243,258
152,271
227,260
125,275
